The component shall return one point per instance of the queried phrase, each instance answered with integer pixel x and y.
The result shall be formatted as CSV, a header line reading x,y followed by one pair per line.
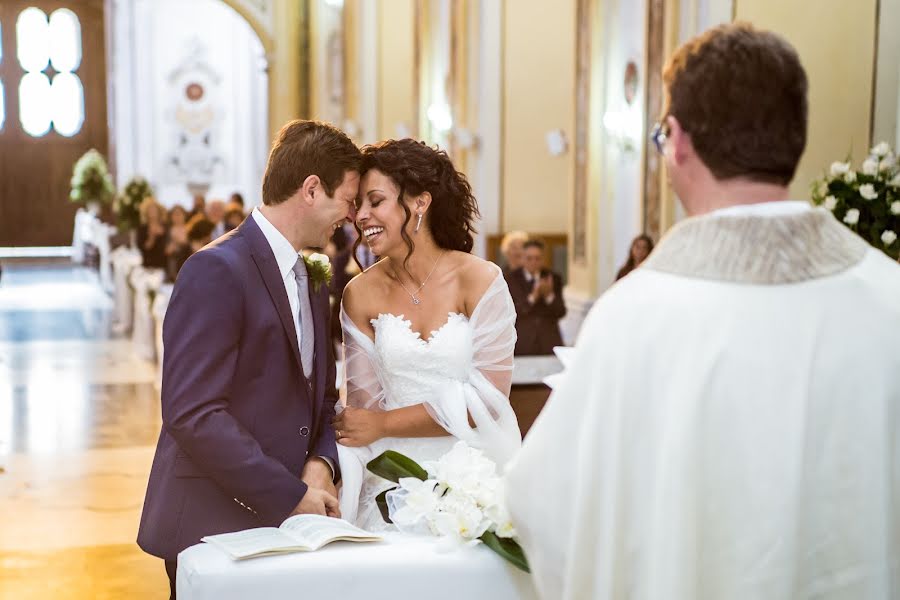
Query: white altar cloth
x,y
402,567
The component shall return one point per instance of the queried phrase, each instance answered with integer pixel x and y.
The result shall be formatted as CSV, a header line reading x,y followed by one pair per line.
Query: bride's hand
x,y
358,426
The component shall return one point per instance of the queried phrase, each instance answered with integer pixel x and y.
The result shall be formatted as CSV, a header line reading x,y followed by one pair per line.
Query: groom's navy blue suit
x,y
239,417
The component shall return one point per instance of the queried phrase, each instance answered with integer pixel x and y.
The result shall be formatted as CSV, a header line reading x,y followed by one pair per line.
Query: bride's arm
x,y
361,427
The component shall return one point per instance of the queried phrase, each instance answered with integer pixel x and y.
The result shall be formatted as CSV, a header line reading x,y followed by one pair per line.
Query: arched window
x,y
51,95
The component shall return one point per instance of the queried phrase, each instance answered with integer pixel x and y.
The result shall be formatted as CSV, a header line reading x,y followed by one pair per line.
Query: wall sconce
x,y
557,144
464,138
440,117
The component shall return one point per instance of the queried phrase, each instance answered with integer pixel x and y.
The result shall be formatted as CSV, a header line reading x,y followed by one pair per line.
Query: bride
x,y
428,331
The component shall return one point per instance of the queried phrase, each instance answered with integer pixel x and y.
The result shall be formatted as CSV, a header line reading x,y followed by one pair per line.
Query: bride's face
x,y
379,216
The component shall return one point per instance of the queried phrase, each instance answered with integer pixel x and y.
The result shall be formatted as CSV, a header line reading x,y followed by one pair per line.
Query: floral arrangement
x,y
319,269
868,200
91,181
127,205
458,498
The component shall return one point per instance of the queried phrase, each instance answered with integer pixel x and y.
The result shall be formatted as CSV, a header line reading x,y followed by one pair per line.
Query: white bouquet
x,y
458,498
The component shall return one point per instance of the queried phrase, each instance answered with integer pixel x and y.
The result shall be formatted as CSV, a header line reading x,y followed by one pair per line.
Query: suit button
x,y
304,431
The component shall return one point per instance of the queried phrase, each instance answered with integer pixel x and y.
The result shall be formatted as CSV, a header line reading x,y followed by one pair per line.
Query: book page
x,y
253,542
314,531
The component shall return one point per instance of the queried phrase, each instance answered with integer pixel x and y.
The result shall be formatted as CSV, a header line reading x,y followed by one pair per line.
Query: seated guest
x,y
152,236
215,212
537,295
236,198
199,234
234,216
178,248
512,248
641,247
199,206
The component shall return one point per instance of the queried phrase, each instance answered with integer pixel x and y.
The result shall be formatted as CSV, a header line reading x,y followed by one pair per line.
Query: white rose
x,y
881,149
867,191
413,501
888,237
463,469
321,259
885,165
852,217
870,166
895,207
850,176
896,180
830,203
839,168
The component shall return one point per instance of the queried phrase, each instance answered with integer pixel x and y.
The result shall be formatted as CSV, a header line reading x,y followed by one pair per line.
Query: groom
x,y
248,373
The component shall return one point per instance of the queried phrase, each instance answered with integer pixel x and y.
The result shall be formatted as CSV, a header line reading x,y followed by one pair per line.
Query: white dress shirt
x,y
286,257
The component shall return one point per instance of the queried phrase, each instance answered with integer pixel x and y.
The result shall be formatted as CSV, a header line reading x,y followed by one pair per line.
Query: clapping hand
x,y
358,427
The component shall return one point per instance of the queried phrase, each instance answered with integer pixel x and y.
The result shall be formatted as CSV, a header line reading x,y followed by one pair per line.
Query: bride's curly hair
x,y
417,168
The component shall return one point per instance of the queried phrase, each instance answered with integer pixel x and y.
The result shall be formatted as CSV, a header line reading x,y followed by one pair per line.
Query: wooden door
x,y
36,165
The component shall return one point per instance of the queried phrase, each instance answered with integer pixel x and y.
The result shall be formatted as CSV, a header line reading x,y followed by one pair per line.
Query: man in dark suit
x,y
537,295
248,373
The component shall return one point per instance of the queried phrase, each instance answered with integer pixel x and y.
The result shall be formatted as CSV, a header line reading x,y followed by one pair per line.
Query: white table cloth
x,y
400,568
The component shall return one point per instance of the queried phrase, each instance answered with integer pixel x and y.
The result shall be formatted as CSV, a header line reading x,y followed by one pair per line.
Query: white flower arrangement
x,y
868,200
458,498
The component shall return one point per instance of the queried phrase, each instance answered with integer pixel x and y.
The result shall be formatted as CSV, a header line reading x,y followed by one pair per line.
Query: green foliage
x,y
867,201
91,181
127,205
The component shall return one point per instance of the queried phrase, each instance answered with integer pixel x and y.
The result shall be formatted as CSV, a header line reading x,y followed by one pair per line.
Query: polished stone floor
x,y
79,417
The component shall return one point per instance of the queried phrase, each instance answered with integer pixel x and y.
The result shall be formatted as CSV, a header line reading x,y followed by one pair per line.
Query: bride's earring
x,y
419,223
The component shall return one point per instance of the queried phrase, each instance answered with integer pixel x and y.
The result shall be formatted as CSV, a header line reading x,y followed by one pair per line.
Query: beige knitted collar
x,y
756,249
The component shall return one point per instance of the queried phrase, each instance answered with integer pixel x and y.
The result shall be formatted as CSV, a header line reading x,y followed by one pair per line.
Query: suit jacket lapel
x,y
271,276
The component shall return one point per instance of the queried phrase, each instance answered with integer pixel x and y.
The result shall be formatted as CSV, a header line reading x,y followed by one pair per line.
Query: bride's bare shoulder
x,y
475,272
362,291
476,276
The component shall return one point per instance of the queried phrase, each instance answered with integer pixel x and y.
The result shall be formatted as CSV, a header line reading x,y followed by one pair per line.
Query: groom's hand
x,y
317,502
317,474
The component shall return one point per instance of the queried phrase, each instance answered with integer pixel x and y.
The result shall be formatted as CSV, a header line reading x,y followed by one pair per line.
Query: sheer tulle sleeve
x,y
364,387
477,410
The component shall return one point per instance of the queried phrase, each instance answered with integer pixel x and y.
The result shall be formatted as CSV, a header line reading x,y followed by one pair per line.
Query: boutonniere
x,y
319,269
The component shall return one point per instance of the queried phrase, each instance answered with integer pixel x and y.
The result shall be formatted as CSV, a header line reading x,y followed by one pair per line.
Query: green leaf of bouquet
x,y
381,501
507,548
392,466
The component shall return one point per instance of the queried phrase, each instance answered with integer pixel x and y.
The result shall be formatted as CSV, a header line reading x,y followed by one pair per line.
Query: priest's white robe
x,y
729,427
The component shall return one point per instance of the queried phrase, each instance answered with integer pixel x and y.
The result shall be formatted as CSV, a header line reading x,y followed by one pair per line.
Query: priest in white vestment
x,y
729,427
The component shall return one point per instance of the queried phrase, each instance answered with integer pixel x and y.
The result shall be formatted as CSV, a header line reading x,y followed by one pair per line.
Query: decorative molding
x,y
582,120
652,171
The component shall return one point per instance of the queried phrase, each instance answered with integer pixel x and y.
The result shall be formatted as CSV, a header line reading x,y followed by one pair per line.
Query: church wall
x,y
538,97
159,132
836,42
396,83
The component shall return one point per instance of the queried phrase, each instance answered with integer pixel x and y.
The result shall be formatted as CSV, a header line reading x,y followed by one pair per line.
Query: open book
x,y
300,533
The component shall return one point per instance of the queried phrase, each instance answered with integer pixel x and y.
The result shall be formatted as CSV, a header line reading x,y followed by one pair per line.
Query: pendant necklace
x,y
415,295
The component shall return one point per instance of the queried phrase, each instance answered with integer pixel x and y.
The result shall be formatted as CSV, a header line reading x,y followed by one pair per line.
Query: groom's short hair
x,y
741,95
303,148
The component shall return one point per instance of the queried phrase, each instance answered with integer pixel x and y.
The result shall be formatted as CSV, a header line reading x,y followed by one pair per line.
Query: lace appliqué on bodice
x,y
413,368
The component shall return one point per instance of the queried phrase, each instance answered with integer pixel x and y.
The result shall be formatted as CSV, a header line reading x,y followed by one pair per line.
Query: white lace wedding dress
x,y
463,370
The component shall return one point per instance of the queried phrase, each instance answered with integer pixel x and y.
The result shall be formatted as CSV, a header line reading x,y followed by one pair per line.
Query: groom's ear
x,y
312,185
